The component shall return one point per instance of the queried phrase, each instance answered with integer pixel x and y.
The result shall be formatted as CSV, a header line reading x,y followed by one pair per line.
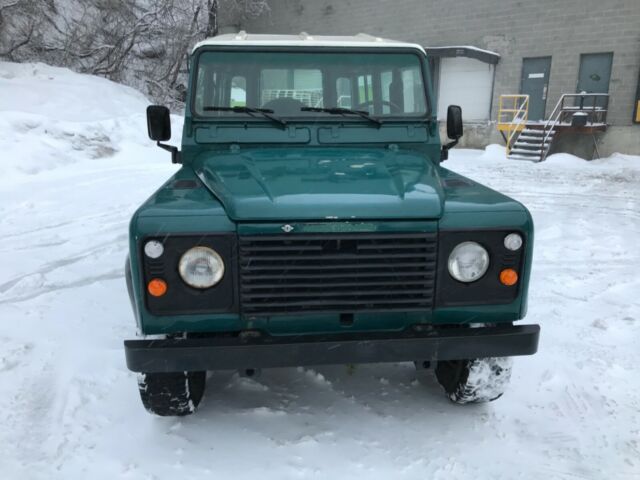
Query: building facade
x,y
482,49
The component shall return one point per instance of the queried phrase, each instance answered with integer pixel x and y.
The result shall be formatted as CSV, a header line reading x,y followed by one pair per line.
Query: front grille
x,y
342,273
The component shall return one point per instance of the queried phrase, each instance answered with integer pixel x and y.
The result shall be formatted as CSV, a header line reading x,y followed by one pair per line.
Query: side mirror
x,y
454,130
158,123
159,128
454,122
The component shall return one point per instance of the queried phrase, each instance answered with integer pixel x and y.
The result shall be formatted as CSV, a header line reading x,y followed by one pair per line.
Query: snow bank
x,y
62,95
52,117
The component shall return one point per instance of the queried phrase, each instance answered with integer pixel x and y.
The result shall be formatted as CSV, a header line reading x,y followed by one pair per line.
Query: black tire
x,y
171,394
474,381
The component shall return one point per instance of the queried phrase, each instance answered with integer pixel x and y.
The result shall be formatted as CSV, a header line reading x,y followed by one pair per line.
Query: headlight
x,y
468,262
201,267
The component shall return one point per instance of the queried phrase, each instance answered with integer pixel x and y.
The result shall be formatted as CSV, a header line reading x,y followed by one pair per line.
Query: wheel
x,y
171,394
474,381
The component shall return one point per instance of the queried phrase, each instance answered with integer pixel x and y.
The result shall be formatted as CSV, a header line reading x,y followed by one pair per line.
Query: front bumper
x,y
263,351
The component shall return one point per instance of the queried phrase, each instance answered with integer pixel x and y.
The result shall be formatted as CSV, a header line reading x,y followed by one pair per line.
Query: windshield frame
x,y
320,117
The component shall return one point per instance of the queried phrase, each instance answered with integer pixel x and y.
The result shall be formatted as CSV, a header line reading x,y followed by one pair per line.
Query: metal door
x,y
595,73
535,82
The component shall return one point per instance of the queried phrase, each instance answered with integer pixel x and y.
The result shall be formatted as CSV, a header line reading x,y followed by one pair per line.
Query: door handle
x,y
544,92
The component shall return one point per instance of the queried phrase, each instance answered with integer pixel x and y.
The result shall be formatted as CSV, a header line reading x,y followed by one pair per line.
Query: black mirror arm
x,y
444,153
175,153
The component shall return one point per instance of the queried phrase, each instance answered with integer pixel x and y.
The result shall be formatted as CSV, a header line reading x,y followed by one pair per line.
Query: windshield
x,y
382,84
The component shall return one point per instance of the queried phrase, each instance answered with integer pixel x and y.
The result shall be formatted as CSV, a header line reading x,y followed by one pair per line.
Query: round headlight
x,y
468,262
201,267
513,242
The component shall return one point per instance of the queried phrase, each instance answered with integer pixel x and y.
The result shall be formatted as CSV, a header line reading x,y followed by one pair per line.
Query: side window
x,y
412,89
365,90
385,83
238,92
199,94
343,92
207,89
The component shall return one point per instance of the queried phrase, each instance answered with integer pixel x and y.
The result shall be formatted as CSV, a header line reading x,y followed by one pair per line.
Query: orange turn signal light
x,y
157,287
508,277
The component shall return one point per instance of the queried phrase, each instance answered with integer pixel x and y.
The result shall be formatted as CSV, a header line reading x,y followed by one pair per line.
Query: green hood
x,y
319,184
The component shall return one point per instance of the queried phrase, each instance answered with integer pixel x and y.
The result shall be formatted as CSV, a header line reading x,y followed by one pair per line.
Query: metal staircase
x,y
531,144
574,112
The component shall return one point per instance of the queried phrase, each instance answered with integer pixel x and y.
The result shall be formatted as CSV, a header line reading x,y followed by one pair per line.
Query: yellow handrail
x,y
513,112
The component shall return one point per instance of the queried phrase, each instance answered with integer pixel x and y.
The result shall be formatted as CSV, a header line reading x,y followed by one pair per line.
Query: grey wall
x,y
561,28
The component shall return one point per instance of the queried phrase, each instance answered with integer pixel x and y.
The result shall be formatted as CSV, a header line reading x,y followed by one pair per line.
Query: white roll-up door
x,y
466,82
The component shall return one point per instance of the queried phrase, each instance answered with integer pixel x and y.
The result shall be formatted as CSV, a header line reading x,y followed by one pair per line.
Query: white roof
x,y
304,40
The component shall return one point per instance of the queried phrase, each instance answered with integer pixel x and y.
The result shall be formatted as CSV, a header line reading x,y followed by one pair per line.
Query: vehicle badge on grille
x,y
287,228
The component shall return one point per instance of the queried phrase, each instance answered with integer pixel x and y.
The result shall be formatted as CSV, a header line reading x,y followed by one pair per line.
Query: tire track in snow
x,y
81,282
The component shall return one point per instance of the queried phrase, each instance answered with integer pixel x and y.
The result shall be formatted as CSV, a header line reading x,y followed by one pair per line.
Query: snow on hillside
x,y
75,164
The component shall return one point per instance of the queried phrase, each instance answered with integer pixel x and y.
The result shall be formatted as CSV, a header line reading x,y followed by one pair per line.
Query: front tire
x,y
474,381
171,394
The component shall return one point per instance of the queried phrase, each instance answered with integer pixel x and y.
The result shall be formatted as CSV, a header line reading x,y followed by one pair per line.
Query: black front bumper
x,y
221,353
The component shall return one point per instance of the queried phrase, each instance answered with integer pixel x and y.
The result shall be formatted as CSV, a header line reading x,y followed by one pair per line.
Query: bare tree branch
x,y
142,43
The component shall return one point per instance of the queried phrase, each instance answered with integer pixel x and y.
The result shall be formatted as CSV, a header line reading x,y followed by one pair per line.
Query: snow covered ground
x,y
75,163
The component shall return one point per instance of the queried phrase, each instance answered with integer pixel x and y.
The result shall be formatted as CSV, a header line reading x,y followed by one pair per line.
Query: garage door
x,y
466,82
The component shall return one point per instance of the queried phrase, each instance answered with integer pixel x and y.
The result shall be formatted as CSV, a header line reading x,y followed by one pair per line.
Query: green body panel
x,y
312,183
471,206
251,177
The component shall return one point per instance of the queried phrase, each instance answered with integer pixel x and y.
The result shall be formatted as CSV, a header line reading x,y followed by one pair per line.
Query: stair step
x,y
520,157
530,146
535,153
537,135
535,139
519,151
537,131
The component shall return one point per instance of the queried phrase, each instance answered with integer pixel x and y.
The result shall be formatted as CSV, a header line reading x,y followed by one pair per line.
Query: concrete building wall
x,y
516,29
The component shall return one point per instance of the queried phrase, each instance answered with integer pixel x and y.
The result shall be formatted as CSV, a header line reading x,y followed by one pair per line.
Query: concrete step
x,y
532,138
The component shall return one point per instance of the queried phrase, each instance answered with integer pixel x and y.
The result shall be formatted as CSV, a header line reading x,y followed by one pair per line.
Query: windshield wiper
x,y
265,112
343,111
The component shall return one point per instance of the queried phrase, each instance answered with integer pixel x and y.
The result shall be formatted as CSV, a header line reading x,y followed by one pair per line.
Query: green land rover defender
x,y
311,223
